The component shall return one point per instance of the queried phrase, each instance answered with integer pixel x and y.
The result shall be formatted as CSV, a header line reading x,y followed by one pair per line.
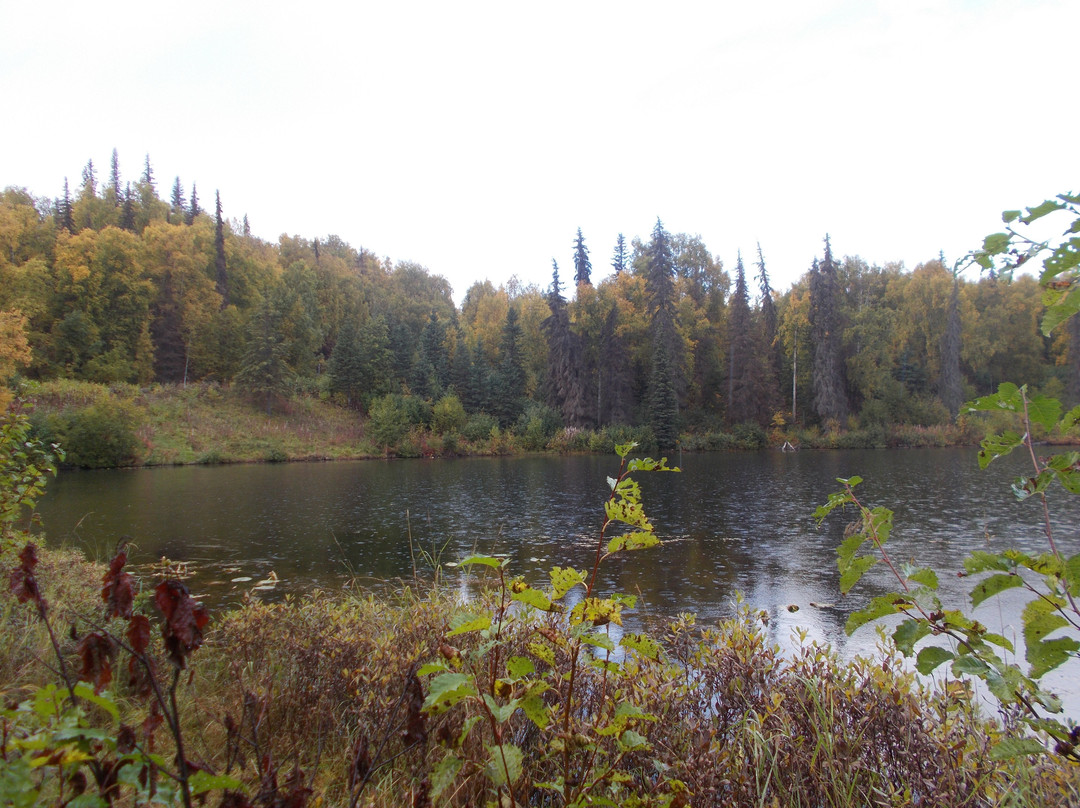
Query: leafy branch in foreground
x,y
584,739
1051,617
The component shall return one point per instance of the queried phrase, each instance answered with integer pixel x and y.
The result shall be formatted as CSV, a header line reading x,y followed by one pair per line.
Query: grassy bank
x,y
304,699
102,426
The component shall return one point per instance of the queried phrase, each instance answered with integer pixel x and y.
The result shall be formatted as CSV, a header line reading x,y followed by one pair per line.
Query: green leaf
x,y
598,639
447,690
1039,620
1072,575
991,586
202,781
438,666
1037,212
925,576
633,541
930,657
519,667
536,711
504,764
630,741
500,713
996,243
996,446
982,561
1016,747
908,633
563,579
486,560
1044,411
545,653
854,571
103,700
533,597
444,774
463,623
1010,216
970,665
642,645
878,607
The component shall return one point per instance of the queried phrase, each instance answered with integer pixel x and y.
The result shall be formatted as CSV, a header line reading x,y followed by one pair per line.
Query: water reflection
x,y
732,522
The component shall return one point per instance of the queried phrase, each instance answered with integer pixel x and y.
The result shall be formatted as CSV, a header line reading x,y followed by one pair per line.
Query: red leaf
x,y
151,724
138,633
95,651
23,581
185,619
117,590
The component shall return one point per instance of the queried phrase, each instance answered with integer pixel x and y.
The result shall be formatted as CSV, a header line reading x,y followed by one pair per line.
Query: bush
x,y
100,436
749,435
537,426
478,428
448,415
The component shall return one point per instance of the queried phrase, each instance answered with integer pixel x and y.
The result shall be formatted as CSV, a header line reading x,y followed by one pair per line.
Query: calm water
x,y
731,522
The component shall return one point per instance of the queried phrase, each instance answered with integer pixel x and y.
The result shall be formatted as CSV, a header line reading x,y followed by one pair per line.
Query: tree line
x,y
115,284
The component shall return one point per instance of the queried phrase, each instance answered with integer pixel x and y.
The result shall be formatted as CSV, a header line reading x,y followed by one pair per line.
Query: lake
x,y
731,522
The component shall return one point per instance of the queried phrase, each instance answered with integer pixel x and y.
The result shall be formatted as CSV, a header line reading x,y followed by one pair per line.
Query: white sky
x,y
475,138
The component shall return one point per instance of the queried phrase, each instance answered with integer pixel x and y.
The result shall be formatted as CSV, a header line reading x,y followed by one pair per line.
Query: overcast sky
x,y
475,138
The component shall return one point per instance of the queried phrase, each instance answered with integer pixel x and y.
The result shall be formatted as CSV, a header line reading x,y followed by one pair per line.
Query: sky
x,y
475,138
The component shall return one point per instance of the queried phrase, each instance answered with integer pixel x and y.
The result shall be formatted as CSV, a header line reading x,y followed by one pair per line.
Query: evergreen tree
x,y
431,371
744,368
193,209
148,173
89,179
952,389
127,215
113,190
264,370
64,216
660,288
179,209
170,352
663,403
582,264
346,366
770,342
830,389
509,381
619,258
615,379
221,282
566,391
247,227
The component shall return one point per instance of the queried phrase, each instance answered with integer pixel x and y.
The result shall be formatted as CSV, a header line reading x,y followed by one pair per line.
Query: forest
x,y
112,283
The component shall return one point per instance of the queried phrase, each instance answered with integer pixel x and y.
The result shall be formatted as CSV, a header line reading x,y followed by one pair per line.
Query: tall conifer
x,y
582,264
221,277
830,389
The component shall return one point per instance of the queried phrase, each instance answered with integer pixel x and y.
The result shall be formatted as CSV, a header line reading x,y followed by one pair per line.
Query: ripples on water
x,y
731,522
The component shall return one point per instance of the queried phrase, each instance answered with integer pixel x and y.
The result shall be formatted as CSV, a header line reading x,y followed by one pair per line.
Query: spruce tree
x,y
170,352
221,282
264,372
148,173
565,383
127,215
615,377
663,403
744,367
770,342
830,389
509,381
619,258
114,181
89,179
660,300
346,366
179,209
582,264
64,216
952,389
193,209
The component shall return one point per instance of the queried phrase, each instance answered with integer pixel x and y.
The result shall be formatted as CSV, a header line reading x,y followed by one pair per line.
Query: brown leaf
x,y
185,619
23,581
117,590
95,651
415,730
125,739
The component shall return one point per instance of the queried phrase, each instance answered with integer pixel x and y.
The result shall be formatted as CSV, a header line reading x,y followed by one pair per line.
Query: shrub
x,y
478,427
448,415
537,426
101,436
